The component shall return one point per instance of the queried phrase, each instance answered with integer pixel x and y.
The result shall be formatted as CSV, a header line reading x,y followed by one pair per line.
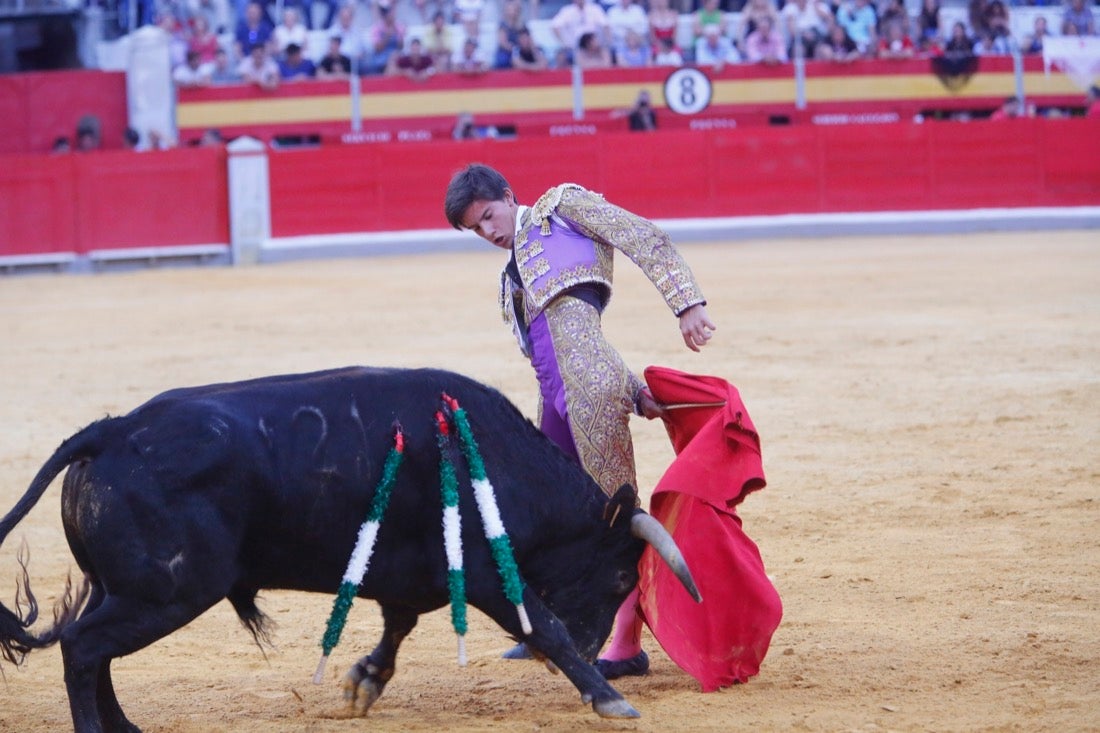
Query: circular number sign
x,y
687,91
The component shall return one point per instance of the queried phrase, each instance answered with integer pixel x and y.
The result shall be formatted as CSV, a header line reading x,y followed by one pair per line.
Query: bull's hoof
x,y
615,709
361,690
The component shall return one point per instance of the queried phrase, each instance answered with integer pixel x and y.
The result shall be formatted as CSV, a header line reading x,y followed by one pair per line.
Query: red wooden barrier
x,y
681,174
119,200
106,200
36,108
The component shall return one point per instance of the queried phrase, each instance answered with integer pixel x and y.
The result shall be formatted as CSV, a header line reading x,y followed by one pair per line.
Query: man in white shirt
x,y
623,16
576,19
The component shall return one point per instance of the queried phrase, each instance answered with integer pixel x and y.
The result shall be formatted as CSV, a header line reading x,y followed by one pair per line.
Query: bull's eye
x,y
624,581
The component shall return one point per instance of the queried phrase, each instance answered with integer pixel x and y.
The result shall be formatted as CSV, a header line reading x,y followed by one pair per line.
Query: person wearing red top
x,y
895,43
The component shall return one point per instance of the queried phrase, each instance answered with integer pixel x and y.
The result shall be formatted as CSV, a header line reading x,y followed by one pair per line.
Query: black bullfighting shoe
x,y
635,666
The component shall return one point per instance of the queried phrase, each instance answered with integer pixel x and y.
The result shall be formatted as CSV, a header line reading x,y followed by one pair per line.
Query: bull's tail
x,y
15,638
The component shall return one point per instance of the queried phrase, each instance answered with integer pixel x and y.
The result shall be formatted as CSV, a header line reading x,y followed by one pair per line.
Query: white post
x,y
150,94
249,199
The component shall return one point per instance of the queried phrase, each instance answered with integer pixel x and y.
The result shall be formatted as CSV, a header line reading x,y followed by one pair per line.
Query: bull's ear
x,y
621,504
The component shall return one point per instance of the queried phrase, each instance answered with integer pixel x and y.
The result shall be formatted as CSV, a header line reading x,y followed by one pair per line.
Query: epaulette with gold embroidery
x,y
544,207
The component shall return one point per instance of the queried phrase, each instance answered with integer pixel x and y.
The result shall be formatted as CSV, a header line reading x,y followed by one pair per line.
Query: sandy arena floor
x,y
930,414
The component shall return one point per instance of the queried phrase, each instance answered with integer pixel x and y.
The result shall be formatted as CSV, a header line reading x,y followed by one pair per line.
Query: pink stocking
x,y
626,639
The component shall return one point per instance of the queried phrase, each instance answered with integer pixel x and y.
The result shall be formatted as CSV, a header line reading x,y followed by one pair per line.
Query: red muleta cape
x,y
723,639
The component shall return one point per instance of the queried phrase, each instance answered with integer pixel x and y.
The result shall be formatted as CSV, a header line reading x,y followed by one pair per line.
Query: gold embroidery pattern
x,y
646,244
599,392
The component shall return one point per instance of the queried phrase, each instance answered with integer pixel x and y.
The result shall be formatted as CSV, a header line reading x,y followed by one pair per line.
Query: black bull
x,y
220,491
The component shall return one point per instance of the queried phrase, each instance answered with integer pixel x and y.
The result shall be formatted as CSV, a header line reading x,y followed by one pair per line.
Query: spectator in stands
x,y
334,64
978,17
259,68
528,56
223,71
635,52
89,133
1092,102
1077,19
211,137
562,58
753,12
254,29
591,53
290,30
765,45
203,40
859,20
959,45
667,53
623,17
193,73
715,50
663,24
511,25
469,60
417,13
414,64
440,42
331,8
929,38
347,28
387,37
294,66
989,44
1033,42
215,12
893,12
576,19
178,37
997,21
709,13
807,22
895,43
1011,109
836,46
468,14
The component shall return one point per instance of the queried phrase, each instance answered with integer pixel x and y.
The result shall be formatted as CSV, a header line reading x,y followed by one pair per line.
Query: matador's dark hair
x,y
475,182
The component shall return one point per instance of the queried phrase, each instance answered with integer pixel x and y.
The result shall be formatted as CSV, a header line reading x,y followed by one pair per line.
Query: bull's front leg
x,y
367,678
551,639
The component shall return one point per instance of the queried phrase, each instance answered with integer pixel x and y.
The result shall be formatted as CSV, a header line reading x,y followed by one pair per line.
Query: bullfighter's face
x,y
493,221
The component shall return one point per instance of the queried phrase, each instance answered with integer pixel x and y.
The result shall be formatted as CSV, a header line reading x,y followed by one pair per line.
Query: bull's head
x,y
609,572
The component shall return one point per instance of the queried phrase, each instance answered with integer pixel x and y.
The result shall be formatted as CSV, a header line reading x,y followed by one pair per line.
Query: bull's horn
x,y
645,527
